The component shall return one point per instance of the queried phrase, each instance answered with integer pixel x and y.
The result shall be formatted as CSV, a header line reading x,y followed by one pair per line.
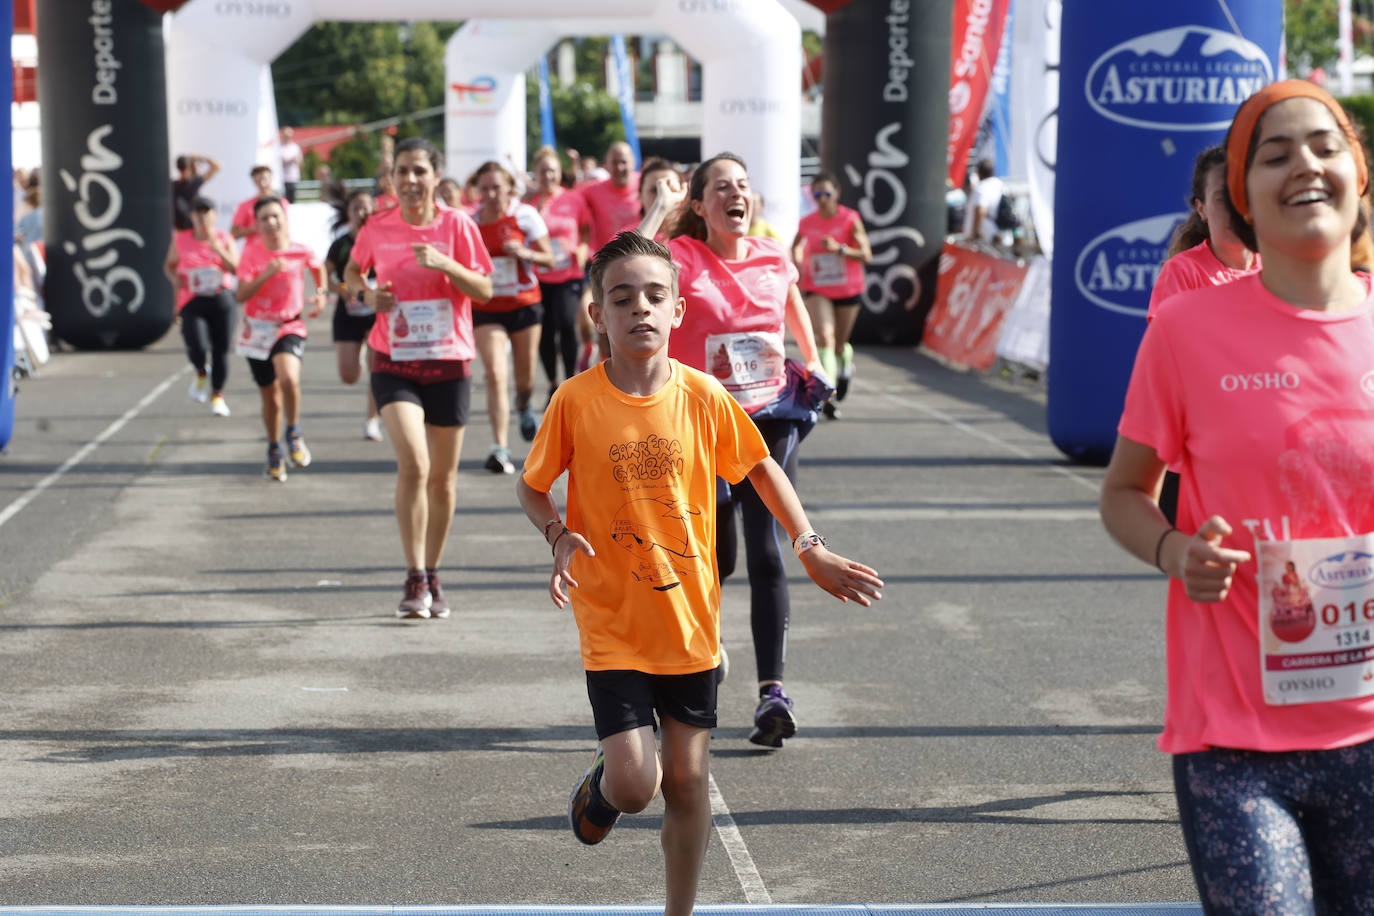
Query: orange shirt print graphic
x,y
656,532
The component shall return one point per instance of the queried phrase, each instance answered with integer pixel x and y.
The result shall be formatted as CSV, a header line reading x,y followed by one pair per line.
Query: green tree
x,y
1311,33
585,118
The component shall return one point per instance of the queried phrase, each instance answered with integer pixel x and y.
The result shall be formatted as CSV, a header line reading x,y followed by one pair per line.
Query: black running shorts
x,y
445,403
626,700
263,372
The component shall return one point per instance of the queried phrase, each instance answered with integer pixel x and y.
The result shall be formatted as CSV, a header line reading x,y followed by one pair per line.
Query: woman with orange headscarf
x,y
1262,391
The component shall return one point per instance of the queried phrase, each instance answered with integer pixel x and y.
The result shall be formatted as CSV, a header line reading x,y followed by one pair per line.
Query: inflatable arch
x,y
220,86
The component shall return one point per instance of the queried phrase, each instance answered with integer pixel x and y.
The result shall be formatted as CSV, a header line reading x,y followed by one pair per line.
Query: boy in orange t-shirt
x,y
643,438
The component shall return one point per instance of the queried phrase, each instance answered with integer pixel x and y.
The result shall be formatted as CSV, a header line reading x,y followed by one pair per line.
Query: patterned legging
x,y
1280,833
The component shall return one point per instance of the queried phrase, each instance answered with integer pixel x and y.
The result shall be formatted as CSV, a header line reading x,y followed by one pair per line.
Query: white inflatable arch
x,y
219,78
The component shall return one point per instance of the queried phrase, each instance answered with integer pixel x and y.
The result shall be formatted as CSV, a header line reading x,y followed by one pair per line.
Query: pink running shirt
x,y
729,297
1268,410
1194,268
193,254
243,213
565,213
611,209
282,298
384,244
813,230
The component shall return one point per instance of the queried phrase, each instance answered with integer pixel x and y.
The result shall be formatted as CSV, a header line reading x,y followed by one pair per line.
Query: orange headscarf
x,y
1243,128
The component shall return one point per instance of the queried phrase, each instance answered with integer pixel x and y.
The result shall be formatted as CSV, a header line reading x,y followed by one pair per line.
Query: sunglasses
x,y
822,195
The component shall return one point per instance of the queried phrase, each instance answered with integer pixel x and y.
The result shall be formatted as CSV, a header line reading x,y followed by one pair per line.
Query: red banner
x,y
978,28
973,294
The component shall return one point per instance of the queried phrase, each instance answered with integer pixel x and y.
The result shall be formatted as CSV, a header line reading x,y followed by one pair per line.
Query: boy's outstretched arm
x,y
842,578
543,512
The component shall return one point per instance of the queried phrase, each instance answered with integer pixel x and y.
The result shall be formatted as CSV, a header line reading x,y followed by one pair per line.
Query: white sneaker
x,y
372,429
218,407
199,390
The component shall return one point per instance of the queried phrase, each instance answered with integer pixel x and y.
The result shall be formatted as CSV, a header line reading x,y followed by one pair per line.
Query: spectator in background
x,y
450,193
980,215
244,223
760,226
186,187
29,227
291,160
384,194
331,190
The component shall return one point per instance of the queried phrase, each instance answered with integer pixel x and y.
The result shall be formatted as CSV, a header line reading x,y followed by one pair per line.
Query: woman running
x,y
430,264
517,241
352,319
565,214
272,290
1262,391
741,292
201,262
831,249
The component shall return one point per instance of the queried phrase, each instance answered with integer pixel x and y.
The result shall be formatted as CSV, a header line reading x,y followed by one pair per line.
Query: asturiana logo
x,y
1351,569
1117,269
1187,78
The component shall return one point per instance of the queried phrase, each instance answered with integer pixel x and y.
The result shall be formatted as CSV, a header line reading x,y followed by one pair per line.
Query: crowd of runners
x,y
659,306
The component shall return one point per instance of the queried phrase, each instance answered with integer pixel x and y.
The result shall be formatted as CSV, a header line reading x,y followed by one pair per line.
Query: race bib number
x,y
423,329
562,258
204,281
751,365
827,269
505,279
1316,619
257,338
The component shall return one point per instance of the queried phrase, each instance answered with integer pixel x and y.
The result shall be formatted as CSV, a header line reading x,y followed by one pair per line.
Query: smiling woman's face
x,y
725,200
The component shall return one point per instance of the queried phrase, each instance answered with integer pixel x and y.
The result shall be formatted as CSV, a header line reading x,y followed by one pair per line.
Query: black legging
x,y
207,326
561,302
769,607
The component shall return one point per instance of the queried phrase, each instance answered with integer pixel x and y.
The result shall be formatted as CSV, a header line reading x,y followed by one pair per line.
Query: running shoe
x,y
773,720
218,407
498,462
295,447
528,424
438,607
415,604
200,389
276,467
830,411
846,372
591,816
372,429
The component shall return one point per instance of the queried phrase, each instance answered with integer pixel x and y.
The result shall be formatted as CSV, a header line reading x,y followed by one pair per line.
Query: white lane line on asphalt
x,y
989,437
733,841
82,453
921,513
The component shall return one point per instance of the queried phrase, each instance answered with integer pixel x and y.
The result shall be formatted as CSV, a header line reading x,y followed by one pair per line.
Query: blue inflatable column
x,y
1143,88
7,261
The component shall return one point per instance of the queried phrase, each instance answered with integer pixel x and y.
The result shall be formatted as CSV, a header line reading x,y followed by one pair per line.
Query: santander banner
x,y
977,36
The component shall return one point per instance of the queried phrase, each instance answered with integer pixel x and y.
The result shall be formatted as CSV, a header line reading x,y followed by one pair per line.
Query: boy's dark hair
x,y
627,244
266,201
201,204
420,143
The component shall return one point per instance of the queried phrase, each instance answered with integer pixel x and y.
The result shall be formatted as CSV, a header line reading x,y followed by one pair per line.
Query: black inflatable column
x,y
884,129
106,185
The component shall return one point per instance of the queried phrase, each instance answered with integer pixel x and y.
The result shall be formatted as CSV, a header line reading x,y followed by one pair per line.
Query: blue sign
x,y
1143,88
625,77
547,136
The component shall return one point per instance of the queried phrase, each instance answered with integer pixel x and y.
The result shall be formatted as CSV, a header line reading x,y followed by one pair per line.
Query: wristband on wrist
x,y
806,540
1159,545
553,548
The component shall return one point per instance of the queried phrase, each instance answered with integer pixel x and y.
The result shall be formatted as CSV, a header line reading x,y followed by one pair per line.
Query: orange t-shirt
x,y
642,490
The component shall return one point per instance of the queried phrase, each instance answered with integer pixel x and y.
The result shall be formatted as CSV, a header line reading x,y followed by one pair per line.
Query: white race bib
x,y
750,364
1316,619
204,281
505,279
562,258
257,338
827,269
423,329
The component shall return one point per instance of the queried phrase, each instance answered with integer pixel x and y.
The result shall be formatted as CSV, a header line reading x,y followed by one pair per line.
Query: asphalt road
x,y
205,698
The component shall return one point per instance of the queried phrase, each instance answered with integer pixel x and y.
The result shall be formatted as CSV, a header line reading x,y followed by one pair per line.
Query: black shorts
x,y
351,328
845,302
527,316
626,700
445,403
263,372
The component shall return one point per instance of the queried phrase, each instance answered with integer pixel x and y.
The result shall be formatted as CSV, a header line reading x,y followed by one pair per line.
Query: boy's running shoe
x,y
589,815
438,607
295,447
200,389
276,467
528,424
415,604
218,406
498,462
372,429
773,720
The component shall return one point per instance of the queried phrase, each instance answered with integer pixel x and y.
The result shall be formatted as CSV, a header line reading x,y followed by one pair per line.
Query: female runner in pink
x,y
430,264
741,292
201,262
565,214
1262,391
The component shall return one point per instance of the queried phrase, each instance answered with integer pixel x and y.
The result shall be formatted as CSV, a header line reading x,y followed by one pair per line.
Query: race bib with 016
x,y
750,364
827,269
204,281
1316,619
423,329
257,338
